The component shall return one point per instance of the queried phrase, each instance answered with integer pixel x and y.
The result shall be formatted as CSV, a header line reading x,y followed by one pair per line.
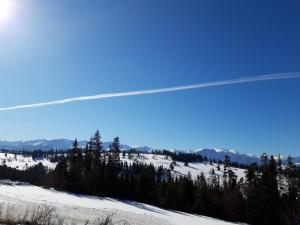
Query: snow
x,y
219,154
194,169
63,144
81,207
233,151
218,149
21,163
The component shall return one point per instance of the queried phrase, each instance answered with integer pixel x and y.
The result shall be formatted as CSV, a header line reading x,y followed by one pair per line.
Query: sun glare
x,y
6,9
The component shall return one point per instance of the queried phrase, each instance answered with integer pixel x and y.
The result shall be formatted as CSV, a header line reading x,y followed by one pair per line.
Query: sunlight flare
x,y
6,10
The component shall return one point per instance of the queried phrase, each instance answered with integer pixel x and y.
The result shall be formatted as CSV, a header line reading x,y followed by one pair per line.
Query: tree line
x,y
194,157
269,193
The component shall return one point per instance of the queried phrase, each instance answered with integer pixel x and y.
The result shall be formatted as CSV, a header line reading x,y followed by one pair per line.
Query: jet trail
x,y
160,90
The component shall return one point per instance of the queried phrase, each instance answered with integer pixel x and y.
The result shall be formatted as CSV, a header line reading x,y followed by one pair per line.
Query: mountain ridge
x,y
63,144
59,144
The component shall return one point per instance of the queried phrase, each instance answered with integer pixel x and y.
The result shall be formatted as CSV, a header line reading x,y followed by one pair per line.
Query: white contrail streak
x,y
160,90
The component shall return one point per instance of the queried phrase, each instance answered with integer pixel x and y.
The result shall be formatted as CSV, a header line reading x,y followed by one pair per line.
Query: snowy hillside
x,y
76,209
20,162
194,169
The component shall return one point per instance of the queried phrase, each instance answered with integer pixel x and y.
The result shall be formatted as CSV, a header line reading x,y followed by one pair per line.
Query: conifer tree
x,y
75,172
88,156
270,199
293,190
115,150
96,146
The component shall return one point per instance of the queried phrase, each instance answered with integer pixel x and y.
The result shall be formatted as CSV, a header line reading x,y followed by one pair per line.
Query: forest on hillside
x,y
269,194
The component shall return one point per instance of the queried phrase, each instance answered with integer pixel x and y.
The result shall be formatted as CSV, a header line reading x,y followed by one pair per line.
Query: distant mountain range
x,y
63,144
219,154
60,144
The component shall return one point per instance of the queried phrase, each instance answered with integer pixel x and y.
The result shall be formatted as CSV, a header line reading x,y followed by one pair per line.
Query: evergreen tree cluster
x,y
194,157
52,155
269,193
36,175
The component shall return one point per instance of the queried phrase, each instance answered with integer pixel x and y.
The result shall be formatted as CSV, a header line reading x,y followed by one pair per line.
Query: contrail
x,y
160,90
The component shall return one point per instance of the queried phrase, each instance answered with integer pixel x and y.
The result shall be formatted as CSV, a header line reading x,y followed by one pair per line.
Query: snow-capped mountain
x,y
219,154
39,144
63,144
60,144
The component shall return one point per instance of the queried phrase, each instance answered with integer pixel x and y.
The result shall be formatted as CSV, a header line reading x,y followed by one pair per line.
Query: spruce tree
x,y
96,146
75,177
270,193
115,150
293,190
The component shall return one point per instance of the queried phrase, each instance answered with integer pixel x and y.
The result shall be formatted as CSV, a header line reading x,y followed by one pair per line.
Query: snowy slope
x,y
179,169
21,163
78,208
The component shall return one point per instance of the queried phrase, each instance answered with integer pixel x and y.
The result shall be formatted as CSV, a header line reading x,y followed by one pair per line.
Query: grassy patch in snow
x,y
44,215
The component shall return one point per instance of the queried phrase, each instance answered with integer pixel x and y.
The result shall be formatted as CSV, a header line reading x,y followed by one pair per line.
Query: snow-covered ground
x,y
195,169
80,208
21,163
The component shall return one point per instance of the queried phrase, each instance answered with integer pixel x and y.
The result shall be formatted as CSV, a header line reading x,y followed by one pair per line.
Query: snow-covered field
x,y
79,208
195,169
20,162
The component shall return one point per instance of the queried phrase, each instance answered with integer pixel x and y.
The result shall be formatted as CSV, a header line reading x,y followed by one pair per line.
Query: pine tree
x,y
270,193
115,150
88,157
61,175
75,177
226,167
75,150
291,179
226,162
293,191
96,146
252,175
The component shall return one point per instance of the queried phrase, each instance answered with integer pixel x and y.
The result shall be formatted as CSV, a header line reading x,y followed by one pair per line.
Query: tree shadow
x,y
127,202
145,207
14,183
192,167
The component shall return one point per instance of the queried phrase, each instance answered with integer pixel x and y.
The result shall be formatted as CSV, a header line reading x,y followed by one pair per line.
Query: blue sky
x,y
57,49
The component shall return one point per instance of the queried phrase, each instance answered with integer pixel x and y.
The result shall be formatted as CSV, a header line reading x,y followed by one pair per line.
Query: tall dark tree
x,y
60,175
270,198
115,150
75,171
292,212
96,146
